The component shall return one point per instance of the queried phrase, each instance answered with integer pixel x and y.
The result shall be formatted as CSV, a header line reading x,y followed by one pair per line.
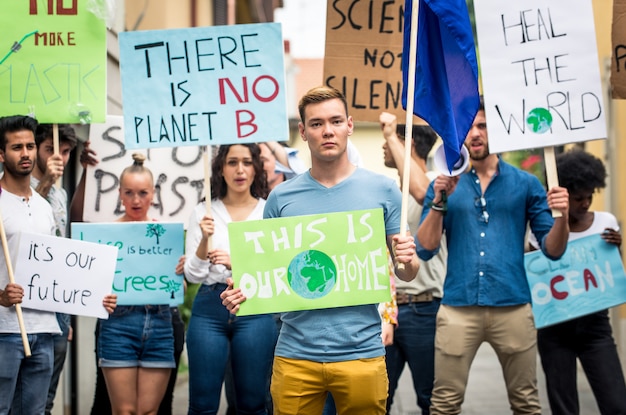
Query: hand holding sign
x,y
232,297
11,295
110,303
558,200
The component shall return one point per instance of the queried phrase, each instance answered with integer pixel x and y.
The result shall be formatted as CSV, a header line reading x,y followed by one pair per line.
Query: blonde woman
x,y
136,343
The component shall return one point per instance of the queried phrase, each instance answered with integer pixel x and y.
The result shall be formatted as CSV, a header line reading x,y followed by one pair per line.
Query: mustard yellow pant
x,y
299,387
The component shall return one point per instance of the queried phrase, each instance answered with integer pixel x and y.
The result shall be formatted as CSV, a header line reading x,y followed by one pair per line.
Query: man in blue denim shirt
x,y
486,294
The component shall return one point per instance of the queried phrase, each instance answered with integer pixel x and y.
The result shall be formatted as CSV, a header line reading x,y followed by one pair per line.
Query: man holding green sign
x,y
333,350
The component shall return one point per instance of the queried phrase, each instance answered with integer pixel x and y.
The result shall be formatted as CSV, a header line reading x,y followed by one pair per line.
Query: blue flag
x,y
446,73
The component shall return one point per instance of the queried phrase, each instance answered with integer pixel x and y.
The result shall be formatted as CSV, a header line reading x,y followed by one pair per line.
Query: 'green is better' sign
x,y
310,262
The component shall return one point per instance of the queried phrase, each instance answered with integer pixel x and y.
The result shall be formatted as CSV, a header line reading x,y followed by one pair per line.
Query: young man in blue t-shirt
x,y
338,350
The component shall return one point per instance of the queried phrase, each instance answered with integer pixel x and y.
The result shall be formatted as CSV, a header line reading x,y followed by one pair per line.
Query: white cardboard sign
x,y
64,275
178,176
540,73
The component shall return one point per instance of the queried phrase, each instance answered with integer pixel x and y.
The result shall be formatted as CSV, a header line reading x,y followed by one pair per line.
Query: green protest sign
x,y
310,262
53,60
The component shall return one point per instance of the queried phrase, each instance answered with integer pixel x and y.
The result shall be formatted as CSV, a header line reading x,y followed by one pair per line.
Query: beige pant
x,y
460,332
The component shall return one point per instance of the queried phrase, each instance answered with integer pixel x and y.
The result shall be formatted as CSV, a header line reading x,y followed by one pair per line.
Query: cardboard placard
x,y
589,277
64,275
53,61
203,86
310,262
618,64
363,57
540,73
146,262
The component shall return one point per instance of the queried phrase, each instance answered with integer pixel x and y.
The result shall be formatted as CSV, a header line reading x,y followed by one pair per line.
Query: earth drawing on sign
x,y
539,120
312,274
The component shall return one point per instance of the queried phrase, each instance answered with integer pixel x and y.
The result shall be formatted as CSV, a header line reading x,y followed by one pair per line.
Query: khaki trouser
x,y
512,334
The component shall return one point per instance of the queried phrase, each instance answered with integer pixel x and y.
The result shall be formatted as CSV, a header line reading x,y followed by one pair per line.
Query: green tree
x,y
154,229
172,286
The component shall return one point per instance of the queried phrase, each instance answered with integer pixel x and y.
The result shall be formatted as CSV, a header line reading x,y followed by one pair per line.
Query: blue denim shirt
x,y
486,235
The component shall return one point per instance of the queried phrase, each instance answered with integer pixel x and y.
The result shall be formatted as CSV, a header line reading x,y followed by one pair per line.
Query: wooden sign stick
x,y
55,146
18,307
207,185
551,173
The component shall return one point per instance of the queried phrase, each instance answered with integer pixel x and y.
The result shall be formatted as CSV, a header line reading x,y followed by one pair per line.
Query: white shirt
x,y
33,215
201,270
57,197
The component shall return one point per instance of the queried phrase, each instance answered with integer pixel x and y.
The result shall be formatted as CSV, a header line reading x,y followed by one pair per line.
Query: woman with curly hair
x,y
238,189
588,338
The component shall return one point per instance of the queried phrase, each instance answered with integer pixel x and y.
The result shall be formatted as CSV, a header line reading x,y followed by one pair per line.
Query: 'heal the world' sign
x,y
203,86
147,258
540,73
64,275
589,277
310,262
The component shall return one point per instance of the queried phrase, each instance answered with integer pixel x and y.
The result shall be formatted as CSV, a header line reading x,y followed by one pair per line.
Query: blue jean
x,y
329,406
229,385
212,332
178,328
24,380
60,352
101,403
590,339
414,343
137,336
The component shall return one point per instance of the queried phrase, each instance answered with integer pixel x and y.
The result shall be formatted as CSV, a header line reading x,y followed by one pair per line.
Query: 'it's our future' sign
x,y
64,275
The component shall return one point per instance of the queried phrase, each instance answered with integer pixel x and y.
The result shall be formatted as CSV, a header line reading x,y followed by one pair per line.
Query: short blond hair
x,y
320,94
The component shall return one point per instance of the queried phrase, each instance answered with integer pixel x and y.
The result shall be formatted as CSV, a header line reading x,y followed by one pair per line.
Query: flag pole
x,y
408,131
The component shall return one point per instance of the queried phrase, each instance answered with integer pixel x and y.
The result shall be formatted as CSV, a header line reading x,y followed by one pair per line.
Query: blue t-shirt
x,y
485,237
344,333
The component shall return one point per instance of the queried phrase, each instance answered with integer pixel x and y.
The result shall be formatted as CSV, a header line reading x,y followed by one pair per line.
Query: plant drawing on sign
x,y
155,230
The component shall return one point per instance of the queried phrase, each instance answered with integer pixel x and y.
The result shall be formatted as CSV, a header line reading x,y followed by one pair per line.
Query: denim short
x,y
137,336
